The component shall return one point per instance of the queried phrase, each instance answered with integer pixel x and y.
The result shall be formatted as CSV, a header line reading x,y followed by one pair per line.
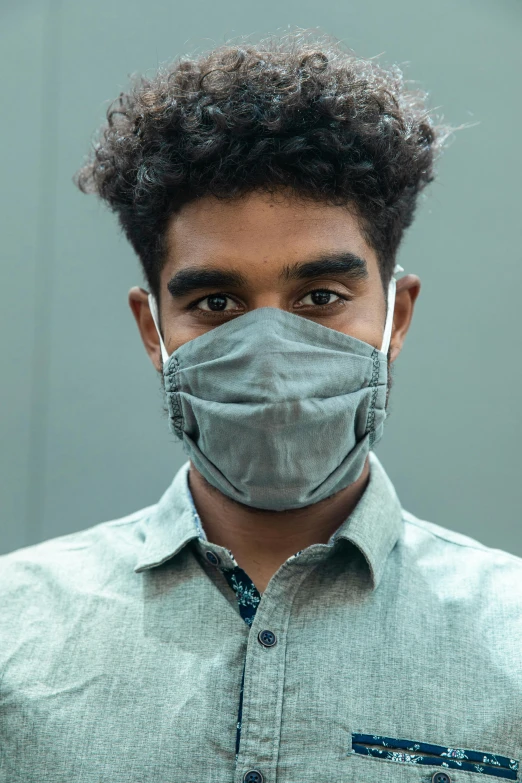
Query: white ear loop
x,y
391,309
155,318
387,327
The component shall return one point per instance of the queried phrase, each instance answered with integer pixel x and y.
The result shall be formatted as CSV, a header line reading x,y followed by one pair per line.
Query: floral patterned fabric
x,y
435,755
246,592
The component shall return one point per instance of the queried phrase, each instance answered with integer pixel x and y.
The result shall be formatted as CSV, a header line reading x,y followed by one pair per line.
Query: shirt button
x,y
253,776
212,558
267,638
440,777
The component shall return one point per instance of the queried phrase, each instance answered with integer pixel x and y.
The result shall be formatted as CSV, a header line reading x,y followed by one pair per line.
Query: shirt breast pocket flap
x,y
428,763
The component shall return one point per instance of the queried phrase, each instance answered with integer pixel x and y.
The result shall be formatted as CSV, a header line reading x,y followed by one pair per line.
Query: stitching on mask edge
x,y
176,415
389,749
370,422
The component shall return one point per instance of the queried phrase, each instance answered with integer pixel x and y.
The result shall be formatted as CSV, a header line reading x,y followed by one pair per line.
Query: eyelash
x,y
194,305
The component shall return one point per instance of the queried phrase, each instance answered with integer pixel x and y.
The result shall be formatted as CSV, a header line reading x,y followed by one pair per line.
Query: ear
x,y
139,304
407,291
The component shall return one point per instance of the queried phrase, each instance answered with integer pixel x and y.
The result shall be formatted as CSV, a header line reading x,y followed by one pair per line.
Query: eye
x,y
320,297
217,303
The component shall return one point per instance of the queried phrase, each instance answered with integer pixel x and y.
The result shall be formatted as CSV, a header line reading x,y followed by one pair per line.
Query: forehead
x,y
258,229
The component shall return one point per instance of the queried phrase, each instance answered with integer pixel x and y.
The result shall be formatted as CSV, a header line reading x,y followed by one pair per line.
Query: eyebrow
x,y
192,279
186,281
344,263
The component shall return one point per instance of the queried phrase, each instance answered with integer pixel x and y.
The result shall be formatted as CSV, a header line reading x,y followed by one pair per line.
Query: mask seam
x,y
370,421
176,415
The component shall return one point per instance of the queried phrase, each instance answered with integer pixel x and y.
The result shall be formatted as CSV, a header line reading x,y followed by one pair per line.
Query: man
x,y
277,616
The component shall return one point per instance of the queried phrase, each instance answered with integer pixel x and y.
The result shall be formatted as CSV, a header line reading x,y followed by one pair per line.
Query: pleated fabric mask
x,y
275,410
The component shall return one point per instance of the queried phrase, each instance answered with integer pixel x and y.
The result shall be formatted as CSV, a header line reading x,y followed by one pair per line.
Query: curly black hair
x,y
296,111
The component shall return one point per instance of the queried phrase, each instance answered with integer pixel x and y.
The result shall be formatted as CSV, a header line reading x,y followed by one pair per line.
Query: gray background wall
x,y
83,438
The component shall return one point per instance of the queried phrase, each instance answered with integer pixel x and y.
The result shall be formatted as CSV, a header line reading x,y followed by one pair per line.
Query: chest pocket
x,y
444,762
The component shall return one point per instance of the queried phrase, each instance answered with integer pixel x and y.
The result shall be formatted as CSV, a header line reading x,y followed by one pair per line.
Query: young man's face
x,y
226,258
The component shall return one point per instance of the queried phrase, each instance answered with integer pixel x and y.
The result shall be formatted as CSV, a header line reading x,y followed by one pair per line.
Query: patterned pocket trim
x,y
392,749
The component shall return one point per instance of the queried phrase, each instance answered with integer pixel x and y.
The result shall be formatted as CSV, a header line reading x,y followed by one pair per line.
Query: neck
x,y
261,541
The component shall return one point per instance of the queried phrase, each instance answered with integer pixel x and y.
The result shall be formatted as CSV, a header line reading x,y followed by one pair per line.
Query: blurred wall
x,y
83,438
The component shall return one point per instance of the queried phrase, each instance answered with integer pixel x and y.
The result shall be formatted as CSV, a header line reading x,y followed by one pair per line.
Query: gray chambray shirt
x,y
397,655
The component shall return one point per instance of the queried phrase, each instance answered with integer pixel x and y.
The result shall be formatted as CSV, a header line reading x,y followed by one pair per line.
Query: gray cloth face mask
x,y
274,410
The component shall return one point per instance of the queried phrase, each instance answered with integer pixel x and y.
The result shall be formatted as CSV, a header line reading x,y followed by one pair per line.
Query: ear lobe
x,y
139,305
407,291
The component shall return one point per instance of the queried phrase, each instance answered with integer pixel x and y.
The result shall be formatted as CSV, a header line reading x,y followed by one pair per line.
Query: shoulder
x,y
418,531
457,568
71,564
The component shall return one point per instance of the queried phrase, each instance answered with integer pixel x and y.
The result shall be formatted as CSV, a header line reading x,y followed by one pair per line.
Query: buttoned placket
x,y
264,665
263,676
247,599
264,680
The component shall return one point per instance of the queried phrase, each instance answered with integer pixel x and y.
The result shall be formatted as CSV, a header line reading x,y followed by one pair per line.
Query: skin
x,y
266,238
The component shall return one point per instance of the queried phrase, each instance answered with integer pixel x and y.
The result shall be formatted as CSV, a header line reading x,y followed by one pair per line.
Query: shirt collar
x,y
376,522
373,526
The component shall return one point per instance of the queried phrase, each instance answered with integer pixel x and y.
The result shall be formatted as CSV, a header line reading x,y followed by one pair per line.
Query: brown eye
x,y
320,297
217,303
